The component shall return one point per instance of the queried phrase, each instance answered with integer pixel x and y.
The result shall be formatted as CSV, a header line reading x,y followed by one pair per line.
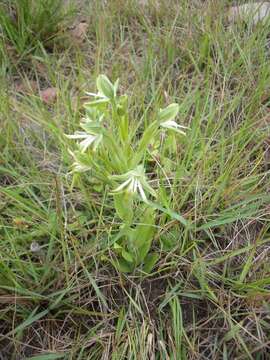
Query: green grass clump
x,y
27,25
207,294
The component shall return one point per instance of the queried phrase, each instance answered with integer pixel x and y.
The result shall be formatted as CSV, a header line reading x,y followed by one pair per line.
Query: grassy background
x,y
208,296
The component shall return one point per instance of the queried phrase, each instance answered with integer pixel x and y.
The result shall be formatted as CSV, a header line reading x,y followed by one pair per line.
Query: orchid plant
x,y
108,148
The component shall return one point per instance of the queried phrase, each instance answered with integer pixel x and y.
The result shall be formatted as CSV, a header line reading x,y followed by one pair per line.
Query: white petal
x,y
171,124
91,94
136,185
142,192
78,135
183,127
97,141
132,187
98,95
87,142
122,186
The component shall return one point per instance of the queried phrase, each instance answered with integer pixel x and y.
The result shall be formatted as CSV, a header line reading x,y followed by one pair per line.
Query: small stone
x,y
79,32
35,247
253,12
49,95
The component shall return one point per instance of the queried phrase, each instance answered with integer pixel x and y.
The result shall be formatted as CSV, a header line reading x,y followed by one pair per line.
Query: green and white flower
x,y
167,116
134,181
92,134
87,140
172,125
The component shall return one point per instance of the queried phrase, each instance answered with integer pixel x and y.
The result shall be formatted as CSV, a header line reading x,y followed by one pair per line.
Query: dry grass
x,y
207,297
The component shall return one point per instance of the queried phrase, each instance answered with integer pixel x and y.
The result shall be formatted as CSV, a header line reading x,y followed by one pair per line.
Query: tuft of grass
x,y
27,26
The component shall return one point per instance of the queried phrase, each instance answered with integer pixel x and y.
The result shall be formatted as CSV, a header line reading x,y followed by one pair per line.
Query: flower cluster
x,y
96,132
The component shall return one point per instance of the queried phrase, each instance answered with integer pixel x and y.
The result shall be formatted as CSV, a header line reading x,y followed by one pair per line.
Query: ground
x,y
207,296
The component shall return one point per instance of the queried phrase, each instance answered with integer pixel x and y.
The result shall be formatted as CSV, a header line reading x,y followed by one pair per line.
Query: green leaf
x,y
115,87
141,238
123,102
92,113
105,87
169,113
148,135
150,261
92,127
170,213
123,204
122,265
127,256
116,246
